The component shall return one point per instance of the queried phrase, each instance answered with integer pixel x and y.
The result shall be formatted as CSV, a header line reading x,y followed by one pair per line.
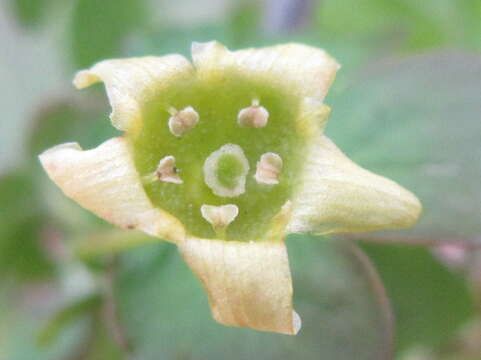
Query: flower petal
x,y
336,195
104,180
248,283
312,117
307,71
132,82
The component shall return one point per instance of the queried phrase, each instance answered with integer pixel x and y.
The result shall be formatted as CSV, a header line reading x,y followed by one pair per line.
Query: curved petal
x,y
131,82
248,283
104,180
307,71
336,195
312,117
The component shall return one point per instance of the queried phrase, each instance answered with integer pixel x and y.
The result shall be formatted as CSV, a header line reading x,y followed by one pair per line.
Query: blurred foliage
x,y
22,256
69,121
409,115
98,28
22,313
65,316
174,319
420,110
424,294
31,13
244,23
409,25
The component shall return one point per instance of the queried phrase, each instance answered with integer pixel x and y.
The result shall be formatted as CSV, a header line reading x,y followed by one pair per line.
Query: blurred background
x,y
406,104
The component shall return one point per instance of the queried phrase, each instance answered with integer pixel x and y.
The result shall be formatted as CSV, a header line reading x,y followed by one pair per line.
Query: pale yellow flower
x,y
224,157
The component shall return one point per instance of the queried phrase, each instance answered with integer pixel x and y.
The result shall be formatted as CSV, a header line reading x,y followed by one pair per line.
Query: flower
x,y
224,157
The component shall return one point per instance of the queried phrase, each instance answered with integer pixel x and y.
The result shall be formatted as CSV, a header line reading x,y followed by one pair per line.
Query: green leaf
x,y
337,294
243,24
21,317
99,28
34,14
416,120
22,256
405,24
29,12
78,331
101,345
430,302
68,121
65,317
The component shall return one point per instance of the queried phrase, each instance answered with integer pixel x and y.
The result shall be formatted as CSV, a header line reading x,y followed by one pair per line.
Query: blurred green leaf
x,y
430,303
244,24
22,314
65,317
337,293
30,12
78,331
416,120
69,121
21,254
17,196
100,345
409,24
99,28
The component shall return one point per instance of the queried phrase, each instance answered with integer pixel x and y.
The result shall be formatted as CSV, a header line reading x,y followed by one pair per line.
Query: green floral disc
x,y
218,103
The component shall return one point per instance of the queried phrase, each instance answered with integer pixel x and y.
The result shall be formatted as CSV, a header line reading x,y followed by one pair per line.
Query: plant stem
x,y
111,312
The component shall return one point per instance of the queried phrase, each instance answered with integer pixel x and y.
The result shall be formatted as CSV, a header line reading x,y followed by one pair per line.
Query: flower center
x,y
234,141
225,171
229,170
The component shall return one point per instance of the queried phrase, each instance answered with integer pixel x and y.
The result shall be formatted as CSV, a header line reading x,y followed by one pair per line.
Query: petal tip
x,y
84,79
48,158
329,59
200,46
207,53
339,196
248,284
415,209
296,322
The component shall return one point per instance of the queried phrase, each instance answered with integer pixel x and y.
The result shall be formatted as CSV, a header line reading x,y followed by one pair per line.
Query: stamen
x,y
219,216
225,171
268,169
166,172
183,120
255,116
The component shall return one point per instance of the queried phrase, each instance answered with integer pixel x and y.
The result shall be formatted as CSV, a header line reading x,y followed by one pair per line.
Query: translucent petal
x,y
105,181
132,82
336,195
304,70
248,283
